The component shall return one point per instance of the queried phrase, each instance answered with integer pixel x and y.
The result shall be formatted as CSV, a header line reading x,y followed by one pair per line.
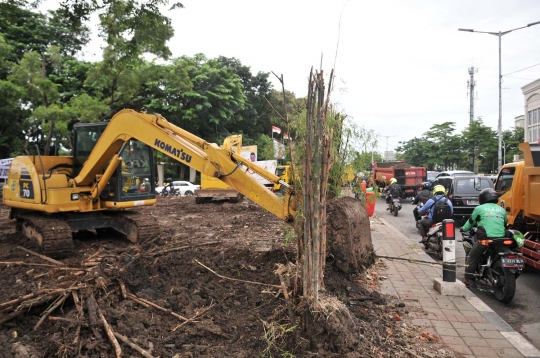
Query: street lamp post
x,y
499,126
504,146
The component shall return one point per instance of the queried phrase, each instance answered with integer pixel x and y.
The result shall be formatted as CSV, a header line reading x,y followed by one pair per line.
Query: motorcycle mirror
x,y
477,183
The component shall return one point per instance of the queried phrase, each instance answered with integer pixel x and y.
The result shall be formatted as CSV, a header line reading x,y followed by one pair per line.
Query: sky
x,y
400,66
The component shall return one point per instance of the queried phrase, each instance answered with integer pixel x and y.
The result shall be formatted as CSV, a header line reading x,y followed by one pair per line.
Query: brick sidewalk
x,y
465,324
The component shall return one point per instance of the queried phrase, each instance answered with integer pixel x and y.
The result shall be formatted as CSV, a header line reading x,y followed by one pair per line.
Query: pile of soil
x,y
209,285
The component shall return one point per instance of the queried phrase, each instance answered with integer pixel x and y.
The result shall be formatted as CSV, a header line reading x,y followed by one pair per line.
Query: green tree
x,y
482,140
216,101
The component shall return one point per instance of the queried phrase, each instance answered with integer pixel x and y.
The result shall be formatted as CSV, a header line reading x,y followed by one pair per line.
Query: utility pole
x,y
470,85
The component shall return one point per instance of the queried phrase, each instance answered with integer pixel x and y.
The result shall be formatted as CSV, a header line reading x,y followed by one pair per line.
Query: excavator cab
x,y
137,164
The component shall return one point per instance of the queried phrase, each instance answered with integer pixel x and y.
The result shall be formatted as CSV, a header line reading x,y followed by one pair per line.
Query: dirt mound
x,y
206,287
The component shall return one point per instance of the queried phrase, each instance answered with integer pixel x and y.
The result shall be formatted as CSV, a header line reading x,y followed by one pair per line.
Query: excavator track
x,y
53,236
145,225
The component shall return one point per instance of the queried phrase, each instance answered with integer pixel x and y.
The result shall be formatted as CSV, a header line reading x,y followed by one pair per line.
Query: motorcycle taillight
x,y
508,242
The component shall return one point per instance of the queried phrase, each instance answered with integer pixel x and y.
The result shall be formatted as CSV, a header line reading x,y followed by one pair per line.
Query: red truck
x,y
408,177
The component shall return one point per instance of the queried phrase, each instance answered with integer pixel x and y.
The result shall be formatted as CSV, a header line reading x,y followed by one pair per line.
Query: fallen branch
x,y
110,334
92,316
77,302
135,299
50,310
22,308
94,254
77,334
122,289
46,258
158,307
192,318
22,263
235,279
133,345
165,251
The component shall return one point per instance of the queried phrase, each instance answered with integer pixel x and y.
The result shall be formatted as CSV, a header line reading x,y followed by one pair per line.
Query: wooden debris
x,y
192,318
22,263
50,310
235,279
92,307
110,334
124,339
46,258
142,300
122,289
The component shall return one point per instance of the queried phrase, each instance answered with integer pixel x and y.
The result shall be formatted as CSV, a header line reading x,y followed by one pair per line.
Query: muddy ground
x,y
206,286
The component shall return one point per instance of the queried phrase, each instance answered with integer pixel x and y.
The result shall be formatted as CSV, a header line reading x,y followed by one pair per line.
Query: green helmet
x,y
517,236
393,181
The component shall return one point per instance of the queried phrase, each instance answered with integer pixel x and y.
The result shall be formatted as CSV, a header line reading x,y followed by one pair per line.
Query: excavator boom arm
x,y
175,142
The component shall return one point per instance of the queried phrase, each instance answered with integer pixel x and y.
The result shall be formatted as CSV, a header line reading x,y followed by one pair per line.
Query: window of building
x,y
533,125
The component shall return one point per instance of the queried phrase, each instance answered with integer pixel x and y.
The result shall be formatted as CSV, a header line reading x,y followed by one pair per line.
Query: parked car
x,y
461,192
448,173
185,187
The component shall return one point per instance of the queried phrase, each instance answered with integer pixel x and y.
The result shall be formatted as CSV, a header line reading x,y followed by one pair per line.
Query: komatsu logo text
x,y
179,153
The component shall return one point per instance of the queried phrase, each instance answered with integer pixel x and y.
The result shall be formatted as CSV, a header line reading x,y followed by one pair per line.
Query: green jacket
x,y
491,216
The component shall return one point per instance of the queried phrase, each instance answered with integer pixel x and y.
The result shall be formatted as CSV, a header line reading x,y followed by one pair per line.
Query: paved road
x,y
523,313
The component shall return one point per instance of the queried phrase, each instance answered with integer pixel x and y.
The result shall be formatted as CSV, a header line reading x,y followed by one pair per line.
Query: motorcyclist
x,y
490,220
145,186
170,185
422,197
393,190
439,193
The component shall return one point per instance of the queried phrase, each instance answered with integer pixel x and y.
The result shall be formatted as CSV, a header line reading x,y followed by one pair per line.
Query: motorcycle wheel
x,y
505,288
396,209
439,252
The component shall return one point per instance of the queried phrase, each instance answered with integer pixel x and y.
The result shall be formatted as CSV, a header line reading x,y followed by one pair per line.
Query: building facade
x,y
531,93
520,121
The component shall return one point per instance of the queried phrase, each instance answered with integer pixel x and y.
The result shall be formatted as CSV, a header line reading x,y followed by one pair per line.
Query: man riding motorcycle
x,y
439,193
491,220
393,190
422,197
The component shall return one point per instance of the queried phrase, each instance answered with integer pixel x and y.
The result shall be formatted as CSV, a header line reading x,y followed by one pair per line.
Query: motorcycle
x,y
500,265
395,205
417,218
434,241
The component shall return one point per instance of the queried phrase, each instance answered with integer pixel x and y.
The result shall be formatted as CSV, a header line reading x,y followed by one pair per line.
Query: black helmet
x,y
488,195
426,185
169,180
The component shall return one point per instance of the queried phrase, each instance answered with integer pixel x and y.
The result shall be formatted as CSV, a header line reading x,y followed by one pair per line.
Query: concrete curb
x,y
515,338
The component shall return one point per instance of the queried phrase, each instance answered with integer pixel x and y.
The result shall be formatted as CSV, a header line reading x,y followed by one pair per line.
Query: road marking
x,y
521,344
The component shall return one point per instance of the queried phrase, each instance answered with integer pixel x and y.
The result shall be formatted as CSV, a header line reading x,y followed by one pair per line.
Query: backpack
x,y
441,210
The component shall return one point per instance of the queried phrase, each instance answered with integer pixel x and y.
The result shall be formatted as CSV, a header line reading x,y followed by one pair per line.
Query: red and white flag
x,y
276,129
286,136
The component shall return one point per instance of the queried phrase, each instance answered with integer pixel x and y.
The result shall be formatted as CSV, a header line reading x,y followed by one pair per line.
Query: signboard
x,y
4,167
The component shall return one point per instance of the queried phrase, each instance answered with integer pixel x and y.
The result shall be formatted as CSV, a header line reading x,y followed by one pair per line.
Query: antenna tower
x,y
470,93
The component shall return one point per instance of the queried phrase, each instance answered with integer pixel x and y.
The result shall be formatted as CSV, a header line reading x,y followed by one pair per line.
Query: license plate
x,y
473,202
515,262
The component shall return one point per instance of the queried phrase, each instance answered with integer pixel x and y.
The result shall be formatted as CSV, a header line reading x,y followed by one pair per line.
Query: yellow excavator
x,y
53,196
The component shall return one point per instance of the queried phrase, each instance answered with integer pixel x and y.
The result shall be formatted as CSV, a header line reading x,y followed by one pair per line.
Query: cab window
x,y
504,180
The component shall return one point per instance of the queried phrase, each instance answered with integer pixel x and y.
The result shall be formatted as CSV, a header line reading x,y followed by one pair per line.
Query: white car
x,y
185,187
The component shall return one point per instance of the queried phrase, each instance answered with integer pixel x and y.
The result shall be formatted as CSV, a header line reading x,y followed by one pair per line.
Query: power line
x,y
520,78
538,64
